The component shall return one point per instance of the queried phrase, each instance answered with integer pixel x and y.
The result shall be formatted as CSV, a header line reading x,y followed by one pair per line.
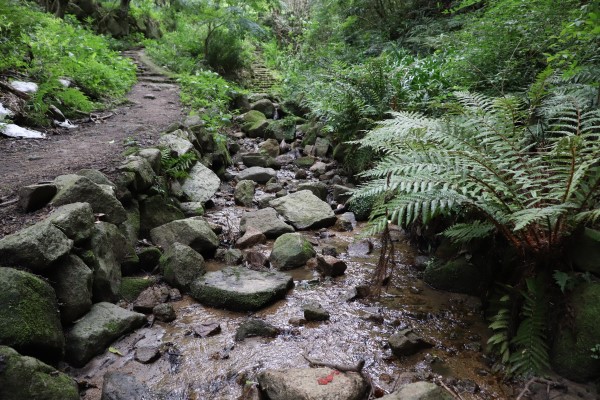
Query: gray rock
x,y
206,329
255,327
90,335
269,147
147,354
75,220
176,144
341,194
35,247
192,208
241,289
23,377
257,174
315,312
75,188
95,176
265,221
319,189
130,228
255,123
107,250
250,238
318,168
201,184
29,315
244,193
120,386
230,256
304,210
362,247
181,265
264,106
34,197
345,222
149,258
302,383
72,282
406,343
419,391
164,312
153,156
322,147
291,250
144,174
156,211
330,266
150,298
255,259
305,162
259,160
194,232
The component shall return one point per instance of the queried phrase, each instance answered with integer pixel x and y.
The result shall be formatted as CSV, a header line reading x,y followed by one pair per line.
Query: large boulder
x,y
23,377
72,282
241,289
255,123
265,221
265,106
156,211
35,247
181,265
177,145
201,184
304,210
319,189
75,220
194,232
107,250
291,250
244,193
571,352
29,315
142,170
90,335
312,384
121,386
75,188
259,160
257,174
34,197
419,391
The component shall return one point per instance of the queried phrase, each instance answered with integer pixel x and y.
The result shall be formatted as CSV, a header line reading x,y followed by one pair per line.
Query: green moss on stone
x,y
132,286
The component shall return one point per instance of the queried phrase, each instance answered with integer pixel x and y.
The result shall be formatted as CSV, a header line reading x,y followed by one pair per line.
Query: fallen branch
x,y
342,368
452,392
549,384
97,118
8,203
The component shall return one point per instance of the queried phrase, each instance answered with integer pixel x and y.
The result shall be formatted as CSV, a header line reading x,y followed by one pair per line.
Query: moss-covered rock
x,y
180,265
132,286
457,275
108,249
255,123
156,211
29,315
72,281
144,173
194,232
244,192
291,250
572,349
282,129
23,377
75,220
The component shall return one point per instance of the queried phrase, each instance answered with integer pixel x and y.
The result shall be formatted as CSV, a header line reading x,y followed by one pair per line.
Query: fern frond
x,y
465,232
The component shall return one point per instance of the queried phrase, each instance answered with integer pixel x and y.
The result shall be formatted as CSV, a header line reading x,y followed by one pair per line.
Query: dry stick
x,y
525,389
8,203
452,392
342,368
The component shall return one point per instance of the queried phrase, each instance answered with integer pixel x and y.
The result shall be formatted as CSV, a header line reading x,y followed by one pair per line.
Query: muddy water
x,y
217,367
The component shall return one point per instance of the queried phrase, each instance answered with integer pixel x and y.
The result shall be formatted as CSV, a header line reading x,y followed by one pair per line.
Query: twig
x,y
97,118
452,392
8,203
342,368
549,383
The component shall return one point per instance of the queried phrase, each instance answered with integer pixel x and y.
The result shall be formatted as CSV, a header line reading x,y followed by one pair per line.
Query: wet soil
x,y
152,105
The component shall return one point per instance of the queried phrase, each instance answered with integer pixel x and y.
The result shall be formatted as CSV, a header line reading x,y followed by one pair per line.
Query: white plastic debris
x,y
65,124
15,131
25,87
65,82
5,112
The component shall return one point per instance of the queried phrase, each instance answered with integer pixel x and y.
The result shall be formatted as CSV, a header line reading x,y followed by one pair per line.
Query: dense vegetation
x,y
475,120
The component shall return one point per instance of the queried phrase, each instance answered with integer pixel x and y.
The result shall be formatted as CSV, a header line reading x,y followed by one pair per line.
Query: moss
x,y
282,129
131,287
305,162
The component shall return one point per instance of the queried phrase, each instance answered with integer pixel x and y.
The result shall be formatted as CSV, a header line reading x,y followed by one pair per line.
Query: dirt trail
x,y
153,104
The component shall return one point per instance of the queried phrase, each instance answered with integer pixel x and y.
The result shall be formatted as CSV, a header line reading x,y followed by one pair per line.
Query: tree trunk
x,y
124,15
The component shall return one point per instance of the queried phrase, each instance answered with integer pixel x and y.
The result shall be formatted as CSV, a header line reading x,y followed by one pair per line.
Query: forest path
x,y
152,105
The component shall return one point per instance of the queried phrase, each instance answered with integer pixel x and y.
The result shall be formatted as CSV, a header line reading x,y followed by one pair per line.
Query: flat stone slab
x,y
241,289
312,384
201,184
257,174
265,221
304,210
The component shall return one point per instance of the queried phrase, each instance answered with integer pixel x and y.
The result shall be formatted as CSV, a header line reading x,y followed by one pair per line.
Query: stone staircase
x,y
147,71
263,78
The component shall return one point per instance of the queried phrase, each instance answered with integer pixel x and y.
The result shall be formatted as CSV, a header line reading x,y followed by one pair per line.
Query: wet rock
x,y
304,210
75,220
259,160
302,174
345,222
303,383
192,208
459,276
72,282
329,251
295,321
255,327
147,354
35,247
230,256
194,232
265,106
34,197
360,248
319,189
256,259
177,145
23,377
156,211
358,292
341,194
315,312
318,168
406,343
273,187
206,329
141,168
120,386
29,315
75,188
133,286
257,174
244,193
175,294
305,162
241,289
97,329
180,265
150,298
330,266
164,312
265,221
421,262
255,123
250,238
419,391
291,250
201,184
153,156
269,147
149,258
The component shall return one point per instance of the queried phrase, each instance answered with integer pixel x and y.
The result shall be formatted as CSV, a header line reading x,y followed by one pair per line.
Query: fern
x,y
465,232
177,167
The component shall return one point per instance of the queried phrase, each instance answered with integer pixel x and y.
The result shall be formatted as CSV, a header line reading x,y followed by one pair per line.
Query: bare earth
x,y
91,145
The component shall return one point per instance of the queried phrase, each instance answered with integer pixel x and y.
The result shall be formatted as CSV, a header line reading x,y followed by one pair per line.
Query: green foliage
x,y
595,352
500,324
177,167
